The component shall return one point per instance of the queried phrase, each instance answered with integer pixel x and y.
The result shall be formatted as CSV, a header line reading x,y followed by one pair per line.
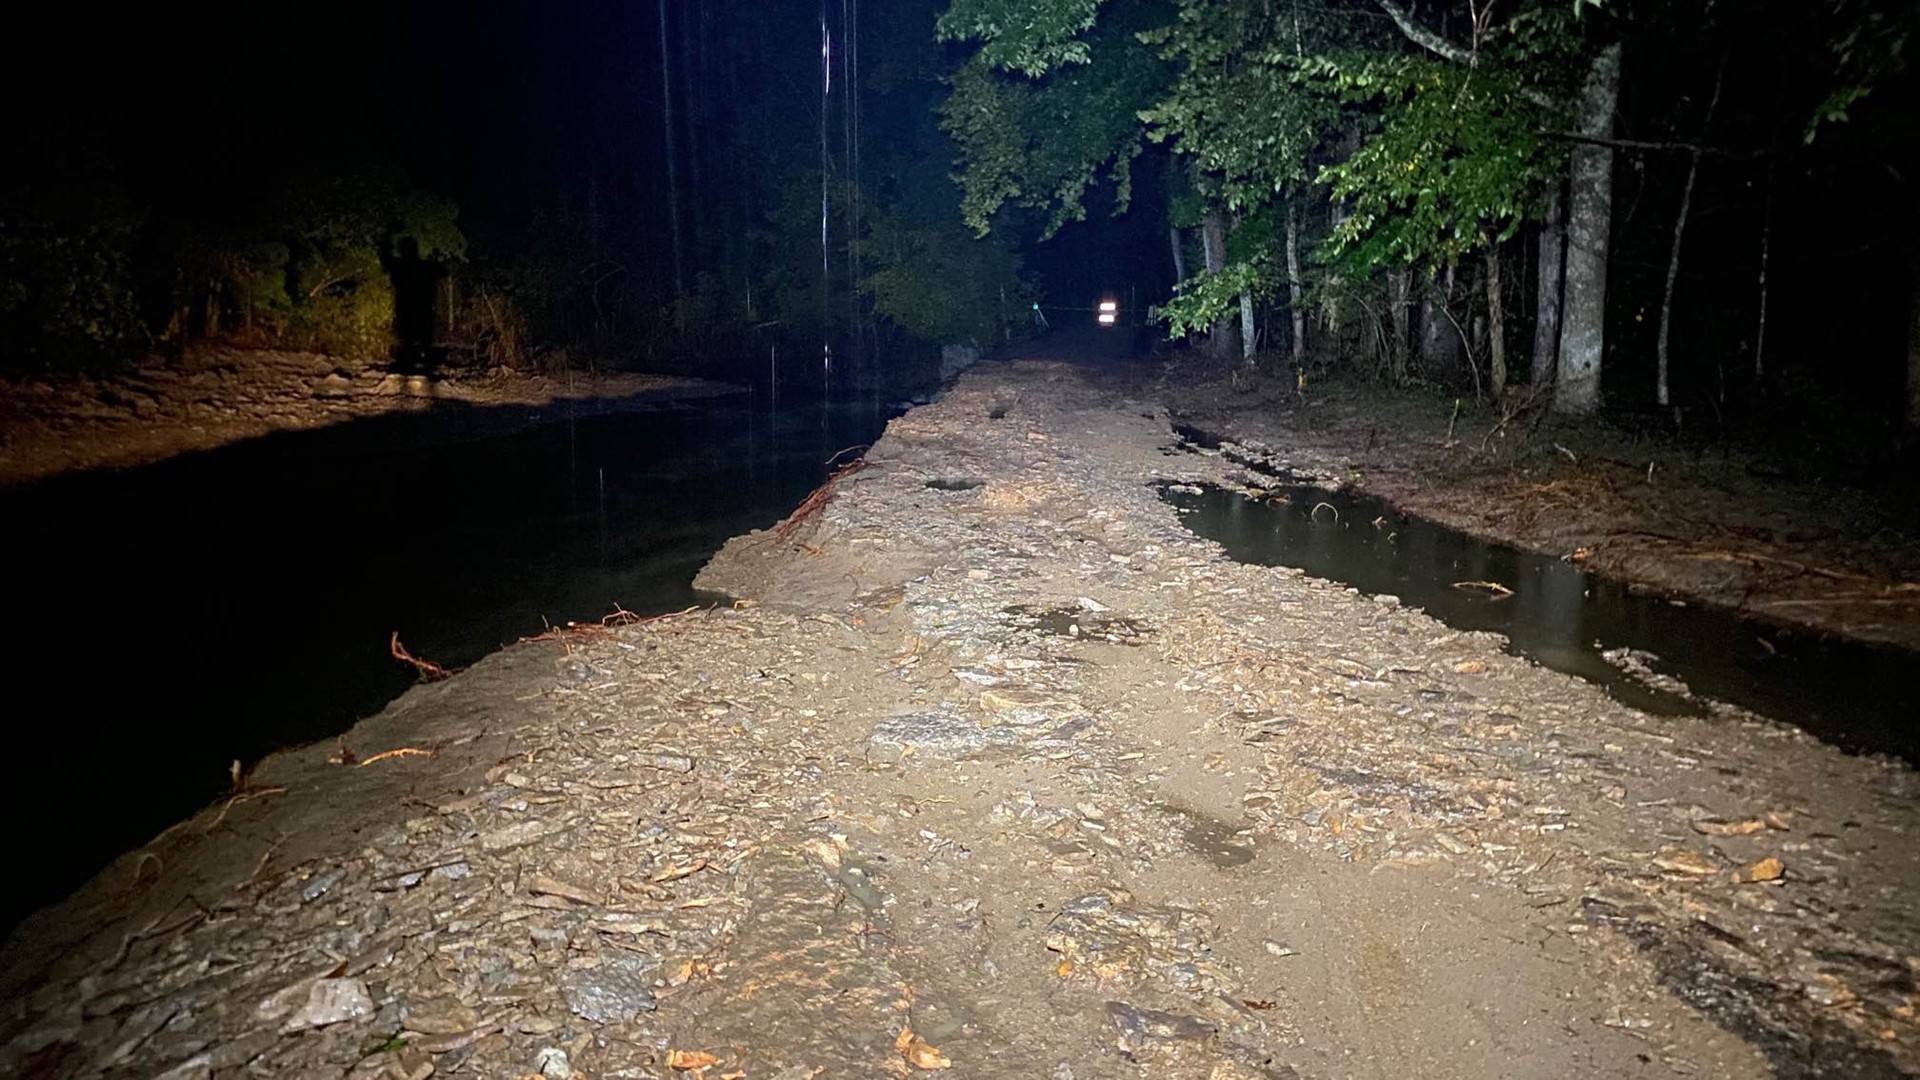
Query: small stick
x,y
429,671
404,751
1314,513
1500,591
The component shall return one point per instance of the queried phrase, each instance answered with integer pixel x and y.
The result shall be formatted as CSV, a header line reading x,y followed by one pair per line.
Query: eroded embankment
x,y
1007,773
216,396
1766,534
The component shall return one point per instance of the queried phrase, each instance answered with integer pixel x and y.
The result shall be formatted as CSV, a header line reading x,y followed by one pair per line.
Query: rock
x,y
665,761
1717,827
1685,861
614,991
1767,869
552,1062
935,735
441,1018
518,834
331,1001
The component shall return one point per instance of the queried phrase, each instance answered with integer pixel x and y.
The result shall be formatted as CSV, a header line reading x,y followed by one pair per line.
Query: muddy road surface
x,y
995,770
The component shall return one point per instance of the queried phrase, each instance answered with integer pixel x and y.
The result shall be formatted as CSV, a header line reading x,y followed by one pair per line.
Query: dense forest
x,y
663,185
1699,211
1688,207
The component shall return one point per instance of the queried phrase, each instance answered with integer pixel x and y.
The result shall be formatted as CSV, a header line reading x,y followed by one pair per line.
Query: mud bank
x,y
997,770
1699,519
215,396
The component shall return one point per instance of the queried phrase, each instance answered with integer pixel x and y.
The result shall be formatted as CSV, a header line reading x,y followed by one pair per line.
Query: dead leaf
x,y
1767,869
922,1055
1471,667
688,1060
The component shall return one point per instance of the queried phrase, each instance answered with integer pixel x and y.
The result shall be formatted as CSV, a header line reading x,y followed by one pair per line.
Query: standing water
x,y
1860,697
174,618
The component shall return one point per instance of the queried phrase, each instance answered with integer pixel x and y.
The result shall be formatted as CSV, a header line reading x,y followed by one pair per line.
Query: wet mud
x,y
890,815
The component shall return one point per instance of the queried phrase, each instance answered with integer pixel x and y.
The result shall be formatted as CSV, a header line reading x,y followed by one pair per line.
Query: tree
x,y
1589,229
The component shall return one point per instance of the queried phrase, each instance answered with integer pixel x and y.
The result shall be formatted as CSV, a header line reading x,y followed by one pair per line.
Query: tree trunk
x,y
1399,297
1179,255
1440,341
1766,253
1661,392
1248,339
1546,322
1496,324
1589,224
1913,342
673,169
1294,305
1213,243
1679,234
692,78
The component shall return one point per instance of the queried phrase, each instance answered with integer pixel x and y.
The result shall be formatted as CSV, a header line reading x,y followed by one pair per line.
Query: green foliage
x,y
67,294
1238,108
1032,37
941,284
1207,296
343,303
1455,155
1040,143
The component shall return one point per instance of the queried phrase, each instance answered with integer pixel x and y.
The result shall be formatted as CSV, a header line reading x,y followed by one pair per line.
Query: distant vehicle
x,y
1109,312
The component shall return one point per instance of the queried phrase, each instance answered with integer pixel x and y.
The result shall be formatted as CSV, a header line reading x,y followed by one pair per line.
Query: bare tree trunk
x,y
1589,225
673,168
1399,296
1766,253
1213,243
1661,393
691,79
1295,307
1546,322
1179,254
1249,340
1440,340
1913,342
1496,323
1679,235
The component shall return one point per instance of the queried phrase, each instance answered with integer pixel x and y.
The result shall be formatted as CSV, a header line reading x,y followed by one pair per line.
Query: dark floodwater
x,y
170,619
1860,697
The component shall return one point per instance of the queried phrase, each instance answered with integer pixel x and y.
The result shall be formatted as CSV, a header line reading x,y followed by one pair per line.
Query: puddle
x,y
1647,651
220,605
1081,623
1210,838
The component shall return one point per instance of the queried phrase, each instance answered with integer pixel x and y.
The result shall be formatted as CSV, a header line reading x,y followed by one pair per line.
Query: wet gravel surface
x,y
997,770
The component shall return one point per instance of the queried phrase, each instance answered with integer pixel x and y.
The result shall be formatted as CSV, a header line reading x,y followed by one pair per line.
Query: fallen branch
x,y
403,751
429,671
602,630
817,501
248,795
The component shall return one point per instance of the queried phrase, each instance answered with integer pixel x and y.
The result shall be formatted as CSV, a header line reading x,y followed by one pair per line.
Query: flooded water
x,y
170,619
1859,697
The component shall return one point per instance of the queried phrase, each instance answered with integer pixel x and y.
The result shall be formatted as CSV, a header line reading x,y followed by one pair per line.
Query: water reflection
x,y
224,604
1858,696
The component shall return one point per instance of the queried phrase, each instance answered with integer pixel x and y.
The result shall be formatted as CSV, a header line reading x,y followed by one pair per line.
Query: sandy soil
x,y
998,771
214,396
1700,518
